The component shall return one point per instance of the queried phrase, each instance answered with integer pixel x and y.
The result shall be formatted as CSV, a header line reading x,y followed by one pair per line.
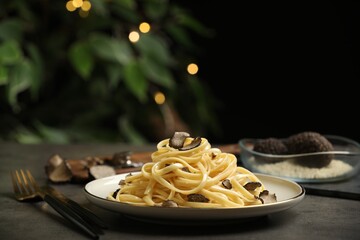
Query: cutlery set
x,y
26,188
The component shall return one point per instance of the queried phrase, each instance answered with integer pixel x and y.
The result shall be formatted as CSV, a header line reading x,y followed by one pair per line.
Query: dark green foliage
x,y
66,78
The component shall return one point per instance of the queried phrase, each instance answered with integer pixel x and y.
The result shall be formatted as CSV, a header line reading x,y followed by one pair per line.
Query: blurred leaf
x,y
51,135
3,75
111,49
99,7
201,98
81,59
126,9
55,47
158,73
130,132
126,14
98,88
38,69
193,24
10,52
180,35
135,80
88,134
196,87
11,29
131,4
114,72
155,48
19,80
99,110
156,9
25,136
23,9
204,105
37,59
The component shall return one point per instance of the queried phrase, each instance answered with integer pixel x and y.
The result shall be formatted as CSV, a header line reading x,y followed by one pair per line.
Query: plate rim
x,y
193,213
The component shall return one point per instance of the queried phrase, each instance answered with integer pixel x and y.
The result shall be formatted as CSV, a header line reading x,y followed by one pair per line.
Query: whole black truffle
x,y
269,146
310,142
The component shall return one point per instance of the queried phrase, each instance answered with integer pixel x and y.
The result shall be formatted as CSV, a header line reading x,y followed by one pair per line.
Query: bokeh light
x,y
83,5
70,6
159,98
77,3
134,36
86,6
192,68
83,14
144,27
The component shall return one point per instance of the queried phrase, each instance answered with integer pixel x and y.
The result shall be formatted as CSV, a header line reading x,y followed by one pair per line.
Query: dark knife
x,y
331,193
83,212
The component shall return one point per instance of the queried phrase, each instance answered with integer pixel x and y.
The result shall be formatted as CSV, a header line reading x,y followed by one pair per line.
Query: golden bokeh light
x,y
159,98
86,6
192,68
144,27
77,3
83,14
70,6
134,36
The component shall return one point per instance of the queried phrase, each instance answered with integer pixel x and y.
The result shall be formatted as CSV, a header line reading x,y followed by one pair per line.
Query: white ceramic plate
x,y
288,195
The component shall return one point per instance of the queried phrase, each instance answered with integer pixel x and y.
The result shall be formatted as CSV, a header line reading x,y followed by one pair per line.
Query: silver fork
x,y
25,188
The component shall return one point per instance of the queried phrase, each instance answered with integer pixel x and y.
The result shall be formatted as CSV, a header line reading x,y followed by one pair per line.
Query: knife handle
x,y
70,215
86,214
83,212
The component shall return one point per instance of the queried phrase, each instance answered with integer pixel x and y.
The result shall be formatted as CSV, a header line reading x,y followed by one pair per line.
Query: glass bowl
x,y
344,163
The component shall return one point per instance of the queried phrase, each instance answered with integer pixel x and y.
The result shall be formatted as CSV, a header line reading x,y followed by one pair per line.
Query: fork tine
x,y
32,189
32,180
17,190
26,183
19,182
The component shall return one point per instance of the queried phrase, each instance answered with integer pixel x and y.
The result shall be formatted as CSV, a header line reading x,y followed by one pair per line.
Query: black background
x,y
281,68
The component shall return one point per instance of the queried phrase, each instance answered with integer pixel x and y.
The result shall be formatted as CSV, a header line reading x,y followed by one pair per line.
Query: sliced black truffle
x,y
251,186
195,197
178,139
185,169
272,146
194,143
101,171
227,184
121,159
58,170
310,142
115,193
267,197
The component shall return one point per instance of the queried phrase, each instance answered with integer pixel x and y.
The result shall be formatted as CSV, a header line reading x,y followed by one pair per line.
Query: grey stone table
x,y
316,217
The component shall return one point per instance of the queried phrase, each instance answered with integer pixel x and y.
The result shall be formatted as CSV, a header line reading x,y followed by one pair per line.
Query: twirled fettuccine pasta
x,y
174,175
